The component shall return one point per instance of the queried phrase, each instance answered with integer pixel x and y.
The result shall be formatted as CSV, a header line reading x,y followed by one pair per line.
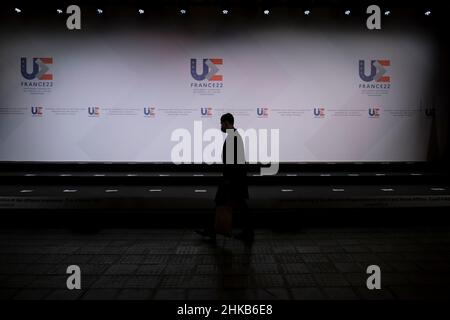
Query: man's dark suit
x,y
233,189
234,186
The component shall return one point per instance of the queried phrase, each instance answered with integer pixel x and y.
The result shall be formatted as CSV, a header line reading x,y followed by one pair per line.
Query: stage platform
x,y
203,174
165,187
157,197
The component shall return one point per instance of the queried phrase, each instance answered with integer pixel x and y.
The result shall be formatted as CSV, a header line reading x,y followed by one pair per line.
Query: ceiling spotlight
x,y
266,12
307,12
427,13
99,11
347,12
59,11
225,11
17,10
141,11
183,11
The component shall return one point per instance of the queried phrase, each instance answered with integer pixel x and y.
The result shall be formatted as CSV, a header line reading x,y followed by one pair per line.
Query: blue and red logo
x,y
377,71
374,112
262,112
37,111
319,112
209,69
206,112
150,112
40,69
94,111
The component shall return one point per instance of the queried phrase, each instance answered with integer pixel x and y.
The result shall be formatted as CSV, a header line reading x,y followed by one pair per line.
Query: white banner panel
x,y
119,95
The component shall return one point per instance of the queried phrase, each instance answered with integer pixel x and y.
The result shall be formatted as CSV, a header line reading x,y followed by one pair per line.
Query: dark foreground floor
x,y
175,264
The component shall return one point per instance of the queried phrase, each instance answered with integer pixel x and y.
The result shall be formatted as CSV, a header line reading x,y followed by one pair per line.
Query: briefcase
x,y
224,220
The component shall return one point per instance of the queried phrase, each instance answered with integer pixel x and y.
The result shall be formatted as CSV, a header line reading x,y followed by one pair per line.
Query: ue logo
x,y
37,111
94,111
39,71
209,69
374,112
319,112
377,71
149,111
262,112
206,112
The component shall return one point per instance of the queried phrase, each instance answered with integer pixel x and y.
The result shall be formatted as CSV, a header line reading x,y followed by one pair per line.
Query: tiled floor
x,y
176,264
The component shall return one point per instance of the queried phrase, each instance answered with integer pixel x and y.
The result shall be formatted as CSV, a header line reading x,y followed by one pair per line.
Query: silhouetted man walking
x,y
233,189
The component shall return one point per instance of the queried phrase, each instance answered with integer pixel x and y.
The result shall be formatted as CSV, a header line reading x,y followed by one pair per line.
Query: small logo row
x,y
207,112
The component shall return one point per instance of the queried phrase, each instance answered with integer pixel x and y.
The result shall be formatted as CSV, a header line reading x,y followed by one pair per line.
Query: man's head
x,y
226,122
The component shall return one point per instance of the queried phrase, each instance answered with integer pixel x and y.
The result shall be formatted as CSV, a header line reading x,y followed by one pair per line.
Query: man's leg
x,y
209,227
248,232
247,219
